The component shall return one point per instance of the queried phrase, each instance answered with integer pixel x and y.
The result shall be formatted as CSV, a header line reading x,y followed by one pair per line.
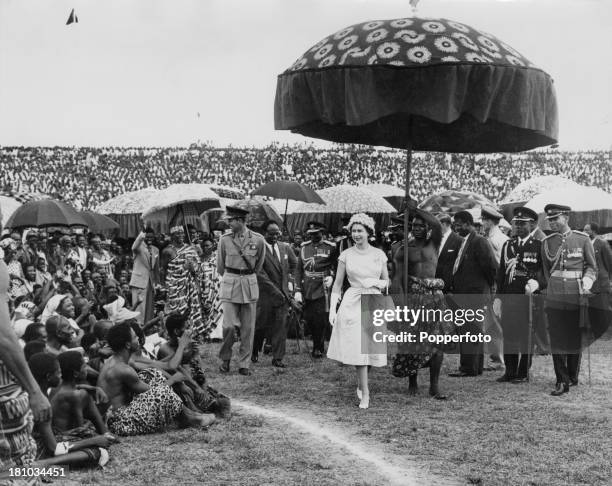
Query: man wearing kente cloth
x,y
422,290
519,275
569,271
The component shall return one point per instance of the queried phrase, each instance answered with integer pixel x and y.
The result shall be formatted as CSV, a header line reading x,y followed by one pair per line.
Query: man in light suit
x,y
145,274
274,299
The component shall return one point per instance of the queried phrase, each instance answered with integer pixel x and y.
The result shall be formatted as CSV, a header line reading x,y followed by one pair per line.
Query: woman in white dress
x,y
366,269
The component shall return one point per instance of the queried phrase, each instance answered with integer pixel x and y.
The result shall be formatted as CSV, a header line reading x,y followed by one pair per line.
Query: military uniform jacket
x,y
316,261
236,288
566,258
518,264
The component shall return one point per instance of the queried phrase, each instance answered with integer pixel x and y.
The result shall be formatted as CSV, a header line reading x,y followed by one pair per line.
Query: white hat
x,y
117,313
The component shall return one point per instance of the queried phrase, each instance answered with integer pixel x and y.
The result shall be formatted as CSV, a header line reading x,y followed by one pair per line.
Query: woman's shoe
x,y
359,394
365,402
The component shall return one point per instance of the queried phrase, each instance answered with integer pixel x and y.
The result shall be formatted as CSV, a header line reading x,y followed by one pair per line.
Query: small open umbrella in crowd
x,y
394,195
45,213
98,223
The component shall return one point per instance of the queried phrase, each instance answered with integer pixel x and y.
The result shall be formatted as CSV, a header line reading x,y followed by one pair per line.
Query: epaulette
x,y
332,243
551,235
580,233
304,243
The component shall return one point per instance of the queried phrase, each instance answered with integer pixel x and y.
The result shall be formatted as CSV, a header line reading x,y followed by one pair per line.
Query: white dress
x,y
347,334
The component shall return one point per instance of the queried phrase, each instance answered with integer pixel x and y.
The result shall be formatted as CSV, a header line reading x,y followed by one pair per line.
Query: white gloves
x,y
328,282
333,304
587,283
497,307
531,286
298,297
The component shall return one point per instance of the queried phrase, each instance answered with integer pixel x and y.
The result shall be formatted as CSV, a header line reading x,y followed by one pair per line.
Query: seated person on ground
x,y
141,403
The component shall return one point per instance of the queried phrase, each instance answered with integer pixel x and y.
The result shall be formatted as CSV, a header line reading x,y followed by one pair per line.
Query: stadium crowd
x,y
87,177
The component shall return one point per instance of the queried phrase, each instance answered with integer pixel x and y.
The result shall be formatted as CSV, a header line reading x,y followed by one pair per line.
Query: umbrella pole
x,y
406,221
285,217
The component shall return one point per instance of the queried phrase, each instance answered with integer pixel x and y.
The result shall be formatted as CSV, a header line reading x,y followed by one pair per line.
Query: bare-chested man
x,y
420,290
141,403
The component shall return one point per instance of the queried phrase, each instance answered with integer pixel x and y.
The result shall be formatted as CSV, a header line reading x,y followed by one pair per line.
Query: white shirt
x,y
274,250
522,241
445,236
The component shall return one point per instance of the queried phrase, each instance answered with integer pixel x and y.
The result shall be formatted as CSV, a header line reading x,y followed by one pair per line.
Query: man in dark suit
x,y
449,249
274,299
599,303
145,274
473,278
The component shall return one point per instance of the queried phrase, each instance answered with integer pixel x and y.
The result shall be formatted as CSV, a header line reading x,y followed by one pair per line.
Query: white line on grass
x,y
405,475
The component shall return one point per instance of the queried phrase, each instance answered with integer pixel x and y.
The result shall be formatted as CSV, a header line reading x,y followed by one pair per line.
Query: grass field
x,y
486,433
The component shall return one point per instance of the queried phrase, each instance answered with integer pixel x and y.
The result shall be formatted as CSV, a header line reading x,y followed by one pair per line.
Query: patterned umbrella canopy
x,y
454,201
134,202
421,84
526,190
589,204
226,192
341,201
200,195
384,190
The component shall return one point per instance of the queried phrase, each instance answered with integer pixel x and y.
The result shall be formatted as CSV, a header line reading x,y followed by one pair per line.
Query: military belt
x,y
566,274
239,271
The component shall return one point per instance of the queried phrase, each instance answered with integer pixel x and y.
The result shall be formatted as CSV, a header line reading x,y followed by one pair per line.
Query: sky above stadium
x,y
172,72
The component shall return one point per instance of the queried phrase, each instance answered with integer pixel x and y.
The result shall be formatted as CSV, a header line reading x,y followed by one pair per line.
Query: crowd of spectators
x,y
87,176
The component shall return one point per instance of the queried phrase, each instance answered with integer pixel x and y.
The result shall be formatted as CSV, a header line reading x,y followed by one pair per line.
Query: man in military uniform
x,y
519,273
241,254
569,271
317,262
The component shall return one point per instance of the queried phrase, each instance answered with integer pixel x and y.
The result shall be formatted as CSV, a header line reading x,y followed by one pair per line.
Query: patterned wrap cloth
x,y
424,293
185,289
149,412
210,297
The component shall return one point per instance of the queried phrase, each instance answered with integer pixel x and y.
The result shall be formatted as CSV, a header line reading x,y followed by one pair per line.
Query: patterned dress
x,y
149,412
185,290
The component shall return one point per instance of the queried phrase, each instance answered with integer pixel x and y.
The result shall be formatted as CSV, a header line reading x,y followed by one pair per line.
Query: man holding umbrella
x,y
314,276
570,270
240,256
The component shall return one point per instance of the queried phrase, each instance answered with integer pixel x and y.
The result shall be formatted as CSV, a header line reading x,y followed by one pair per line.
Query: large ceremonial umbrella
x,y
394,195
452,202
589,204
282,189
342,201
418,84
45,213
8,205
98,223
180,204
526,190
126,209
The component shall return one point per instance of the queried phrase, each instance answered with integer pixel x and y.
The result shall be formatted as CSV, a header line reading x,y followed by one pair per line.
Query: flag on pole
x,y
72,18
413,4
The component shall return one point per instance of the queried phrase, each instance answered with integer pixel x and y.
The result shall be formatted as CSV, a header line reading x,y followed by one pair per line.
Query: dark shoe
x,y
504,378
560,389
254,358
520,379
317,354
267,349
225,367
278,363
244,371
573,383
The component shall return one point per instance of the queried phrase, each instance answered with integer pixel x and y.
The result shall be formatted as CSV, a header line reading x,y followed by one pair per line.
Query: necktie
x,y
461,250
277,253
